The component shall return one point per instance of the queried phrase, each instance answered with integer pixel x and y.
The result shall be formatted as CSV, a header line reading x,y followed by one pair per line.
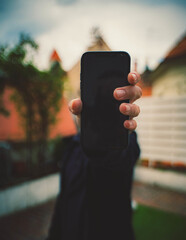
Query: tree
x,y
37,94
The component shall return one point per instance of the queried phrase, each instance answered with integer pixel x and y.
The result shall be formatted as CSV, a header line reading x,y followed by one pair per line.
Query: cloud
x,y
143,2
135,26
66,2
145,32
33,17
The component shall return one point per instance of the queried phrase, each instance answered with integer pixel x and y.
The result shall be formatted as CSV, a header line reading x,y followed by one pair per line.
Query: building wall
x,y
171,83
12,128
162,129
73,90
73,85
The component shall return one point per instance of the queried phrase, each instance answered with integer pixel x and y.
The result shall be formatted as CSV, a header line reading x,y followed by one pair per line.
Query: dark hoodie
x,y
94,202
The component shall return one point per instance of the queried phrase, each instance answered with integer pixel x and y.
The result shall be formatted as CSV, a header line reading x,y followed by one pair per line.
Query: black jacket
x,y
94,202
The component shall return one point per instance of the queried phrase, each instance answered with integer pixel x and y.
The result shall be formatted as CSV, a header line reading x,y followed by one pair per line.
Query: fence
x,y
162,129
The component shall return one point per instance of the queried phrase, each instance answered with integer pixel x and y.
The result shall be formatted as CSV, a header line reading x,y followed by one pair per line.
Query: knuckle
x,y
139,110
135,110
133,113
135,125
137,92
132,92
140,92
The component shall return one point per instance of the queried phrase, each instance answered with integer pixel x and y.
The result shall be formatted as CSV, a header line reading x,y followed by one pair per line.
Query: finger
x,y
133,78
130,124
75,106
131,110
129,92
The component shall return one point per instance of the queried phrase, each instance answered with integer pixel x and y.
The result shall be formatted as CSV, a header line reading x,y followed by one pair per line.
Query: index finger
x,y
133,78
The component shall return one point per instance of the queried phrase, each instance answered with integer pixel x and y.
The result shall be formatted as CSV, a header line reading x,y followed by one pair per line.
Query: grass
x,y
153,224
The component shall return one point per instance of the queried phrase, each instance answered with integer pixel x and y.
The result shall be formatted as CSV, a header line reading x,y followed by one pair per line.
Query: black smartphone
x,y
102,128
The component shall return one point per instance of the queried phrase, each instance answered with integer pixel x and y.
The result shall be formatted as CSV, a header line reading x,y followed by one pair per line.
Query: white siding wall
x,y
171,82
162,128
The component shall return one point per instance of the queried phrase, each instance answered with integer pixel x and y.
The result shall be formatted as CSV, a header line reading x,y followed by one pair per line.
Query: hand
x,y
131,92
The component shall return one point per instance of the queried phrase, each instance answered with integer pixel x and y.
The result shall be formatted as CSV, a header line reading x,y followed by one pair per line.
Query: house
x,y
161,123
73,74
99,44
65,125
169,78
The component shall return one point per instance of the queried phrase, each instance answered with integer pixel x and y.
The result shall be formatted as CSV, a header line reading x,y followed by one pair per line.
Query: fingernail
x,y
120,93
127,108
134,77
129,124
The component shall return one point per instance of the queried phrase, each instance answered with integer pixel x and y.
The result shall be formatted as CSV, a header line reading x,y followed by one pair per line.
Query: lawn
x,y
153,224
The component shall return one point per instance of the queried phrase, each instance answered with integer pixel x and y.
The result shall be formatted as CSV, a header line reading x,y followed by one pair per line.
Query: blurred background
x,y
41,43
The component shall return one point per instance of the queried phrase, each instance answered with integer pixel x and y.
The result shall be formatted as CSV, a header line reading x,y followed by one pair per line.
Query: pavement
x,y
160,198
33,223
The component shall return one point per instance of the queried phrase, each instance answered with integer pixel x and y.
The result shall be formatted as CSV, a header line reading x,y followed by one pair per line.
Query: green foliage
x,y
37,94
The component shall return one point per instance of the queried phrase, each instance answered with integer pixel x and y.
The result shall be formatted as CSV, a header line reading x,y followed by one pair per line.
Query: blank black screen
x,y
101,122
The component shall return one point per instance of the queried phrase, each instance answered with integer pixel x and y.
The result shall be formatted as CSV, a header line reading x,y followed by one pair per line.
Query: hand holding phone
x,y
103,107
101,122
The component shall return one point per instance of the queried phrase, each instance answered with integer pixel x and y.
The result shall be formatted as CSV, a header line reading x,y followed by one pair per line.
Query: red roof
x,y
178,50
55,57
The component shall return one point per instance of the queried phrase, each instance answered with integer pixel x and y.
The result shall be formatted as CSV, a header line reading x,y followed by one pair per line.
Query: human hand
x,y
131,92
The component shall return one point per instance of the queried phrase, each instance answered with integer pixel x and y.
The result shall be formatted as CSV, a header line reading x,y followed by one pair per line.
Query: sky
x,y
147,29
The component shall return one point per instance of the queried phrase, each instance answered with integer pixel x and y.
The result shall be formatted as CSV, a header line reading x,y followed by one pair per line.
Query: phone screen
x,y
101,122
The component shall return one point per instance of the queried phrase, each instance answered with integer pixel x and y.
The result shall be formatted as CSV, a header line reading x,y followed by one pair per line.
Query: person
x,y
95,199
